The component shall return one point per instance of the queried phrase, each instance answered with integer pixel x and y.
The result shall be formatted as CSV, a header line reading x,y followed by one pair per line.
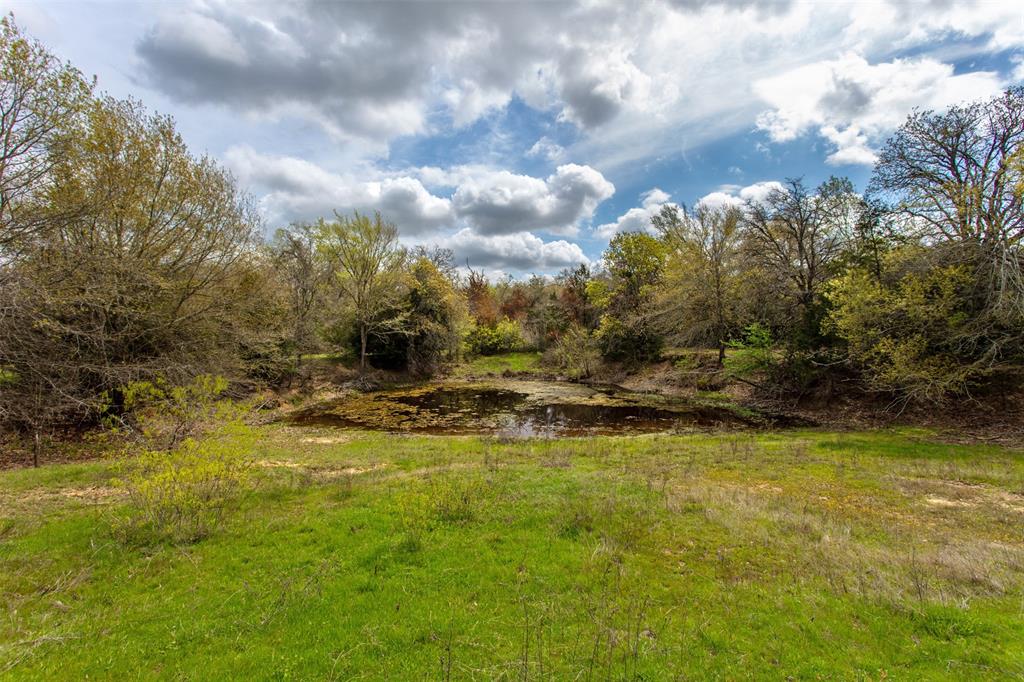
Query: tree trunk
x,y
362,350
35,450
721,354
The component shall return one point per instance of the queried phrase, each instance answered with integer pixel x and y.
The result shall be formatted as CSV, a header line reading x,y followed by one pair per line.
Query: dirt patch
x,y
326,440
91,493
321,471
947,503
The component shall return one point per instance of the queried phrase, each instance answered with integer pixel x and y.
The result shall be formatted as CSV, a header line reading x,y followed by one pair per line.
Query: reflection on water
x,y
533,411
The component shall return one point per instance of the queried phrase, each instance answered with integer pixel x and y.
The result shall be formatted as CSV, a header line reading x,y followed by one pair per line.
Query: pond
x,y
520,409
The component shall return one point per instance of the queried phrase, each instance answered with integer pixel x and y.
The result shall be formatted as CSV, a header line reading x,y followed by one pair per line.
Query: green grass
x,y
519,363
358,555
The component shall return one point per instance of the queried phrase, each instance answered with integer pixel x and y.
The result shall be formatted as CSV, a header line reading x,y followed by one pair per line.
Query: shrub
x,y
912,331
182,494
456,500
413,518
188,462
789,371
632,341
504,337
753,354
575,353
162,414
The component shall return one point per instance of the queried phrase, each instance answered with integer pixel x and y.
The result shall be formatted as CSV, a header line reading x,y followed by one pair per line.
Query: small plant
x,y
457,500
752,355
188,463
413,519
164,414
578,516
182,494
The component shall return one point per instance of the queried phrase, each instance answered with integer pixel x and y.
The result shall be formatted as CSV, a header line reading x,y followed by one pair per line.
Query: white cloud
x,y
299,190
1018,69
854,104
505,203
522,252
596,84
636,219
491,202
492,213
546,148
734,195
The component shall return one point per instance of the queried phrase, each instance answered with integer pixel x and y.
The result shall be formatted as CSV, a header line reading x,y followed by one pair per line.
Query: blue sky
x,y
524,135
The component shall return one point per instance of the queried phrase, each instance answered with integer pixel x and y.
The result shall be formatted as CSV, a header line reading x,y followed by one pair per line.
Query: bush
x,y
504,337
187,463
162,414
752,355
575,353
182,494
912,332
632,341
795,372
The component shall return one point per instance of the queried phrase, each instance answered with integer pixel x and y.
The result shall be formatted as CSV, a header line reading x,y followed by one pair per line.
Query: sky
x,y
524,135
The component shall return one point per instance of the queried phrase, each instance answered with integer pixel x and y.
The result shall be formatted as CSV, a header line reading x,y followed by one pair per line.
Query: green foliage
x,y
905,331
189,460
165,413
369,266
576,353
182,494
627,331
752,355
504,337
142,263
436,317
635,261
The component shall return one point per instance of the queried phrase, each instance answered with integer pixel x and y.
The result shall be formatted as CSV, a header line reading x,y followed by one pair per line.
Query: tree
x,y
634,262
903,325
798,237
953,180
41,103
369,264
435,319
150,271
941,310
480,298
698,301
306,276
574,299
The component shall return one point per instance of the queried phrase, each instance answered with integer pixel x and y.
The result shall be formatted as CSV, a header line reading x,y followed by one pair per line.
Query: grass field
x,y
518,363
875,555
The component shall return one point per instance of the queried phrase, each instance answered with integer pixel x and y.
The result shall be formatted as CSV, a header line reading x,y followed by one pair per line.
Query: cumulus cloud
x,y
636,219
492,202
522,252
493,213
299,190
854,104
505,203
597,84
734,195
377,71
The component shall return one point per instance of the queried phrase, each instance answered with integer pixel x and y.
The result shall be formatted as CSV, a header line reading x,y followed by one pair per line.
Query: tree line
x,y
124,257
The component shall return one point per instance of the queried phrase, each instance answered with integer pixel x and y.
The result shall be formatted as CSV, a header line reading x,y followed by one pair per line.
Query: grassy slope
x,y
374,556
